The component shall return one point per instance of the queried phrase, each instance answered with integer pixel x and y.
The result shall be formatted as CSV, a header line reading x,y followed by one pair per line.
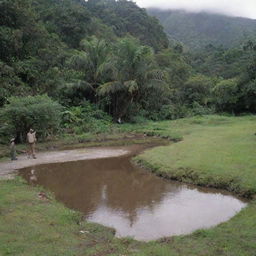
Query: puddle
x,y
115,193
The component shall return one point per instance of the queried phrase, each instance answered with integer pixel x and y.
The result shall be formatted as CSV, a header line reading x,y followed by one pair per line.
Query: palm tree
x,y
94,61
135,72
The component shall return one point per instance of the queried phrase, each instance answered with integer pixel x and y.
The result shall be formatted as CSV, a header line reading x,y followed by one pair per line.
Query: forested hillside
x,y
38,39
196,30
74,66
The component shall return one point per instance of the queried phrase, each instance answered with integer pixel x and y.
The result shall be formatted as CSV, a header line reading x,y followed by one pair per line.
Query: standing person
x,y
13,149
31,138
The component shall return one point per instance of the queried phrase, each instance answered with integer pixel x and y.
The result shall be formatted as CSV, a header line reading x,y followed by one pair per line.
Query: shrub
x,y
197,89
22,113
226,94
173,111
86,118
200,110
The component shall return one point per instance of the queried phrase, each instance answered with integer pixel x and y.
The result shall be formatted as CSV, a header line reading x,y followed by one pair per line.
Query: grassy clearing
x,y
217,151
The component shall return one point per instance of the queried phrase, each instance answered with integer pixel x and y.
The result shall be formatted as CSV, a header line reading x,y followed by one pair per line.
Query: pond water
x,y
115,193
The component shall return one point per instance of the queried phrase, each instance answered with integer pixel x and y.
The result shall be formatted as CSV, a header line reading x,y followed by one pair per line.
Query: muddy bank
x,y
94,141
104,148
9,168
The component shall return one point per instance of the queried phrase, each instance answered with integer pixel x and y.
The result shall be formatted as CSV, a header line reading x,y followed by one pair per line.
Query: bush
x,y
86,118
176,111
197,89
199,110
173,111
22,113
166,112
226,94
138,119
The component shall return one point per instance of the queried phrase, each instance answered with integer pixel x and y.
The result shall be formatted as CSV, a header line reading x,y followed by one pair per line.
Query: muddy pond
x,y
136,203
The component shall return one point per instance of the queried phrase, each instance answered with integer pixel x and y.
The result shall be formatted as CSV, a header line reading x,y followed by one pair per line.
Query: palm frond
x,y
79,84
157,85
141,53
131,86
106,68
157,74
78,61
110,88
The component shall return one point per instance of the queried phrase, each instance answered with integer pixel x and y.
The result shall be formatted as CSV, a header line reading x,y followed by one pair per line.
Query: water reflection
x,y
136,203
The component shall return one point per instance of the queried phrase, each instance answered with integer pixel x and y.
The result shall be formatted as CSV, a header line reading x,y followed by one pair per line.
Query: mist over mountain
x,y
196,30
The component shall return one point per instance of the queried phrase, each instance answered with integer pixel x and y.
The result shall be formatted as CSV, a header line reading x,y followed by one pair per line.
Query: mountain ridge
x,y
197,30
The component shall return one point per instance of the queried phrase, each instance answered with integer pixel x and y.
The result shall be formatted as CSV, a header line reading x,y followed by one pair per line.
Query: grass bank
x,y
34,226
214,151
31,226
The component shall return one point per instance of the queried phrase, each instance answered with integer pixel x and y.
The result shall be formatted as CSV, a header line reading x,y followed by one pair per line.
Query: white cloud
x,y
240,8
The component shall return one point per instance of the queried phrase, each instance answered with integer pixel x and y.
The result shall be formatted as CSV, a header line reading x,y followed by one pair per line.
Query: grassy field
x,y
214,150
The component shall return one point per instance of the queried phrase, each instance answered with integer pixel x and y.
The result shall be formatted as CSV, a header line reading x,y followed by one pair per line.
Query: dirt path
x,y
9,168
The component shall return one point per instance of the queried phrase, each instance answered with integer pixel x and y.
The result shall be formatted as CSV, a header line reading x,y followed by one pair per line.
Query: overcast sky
x,y
240,8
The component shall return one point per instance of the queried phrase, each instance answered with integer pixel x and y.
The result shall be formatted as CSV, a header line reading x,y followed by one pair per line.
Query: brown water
x,y
115,193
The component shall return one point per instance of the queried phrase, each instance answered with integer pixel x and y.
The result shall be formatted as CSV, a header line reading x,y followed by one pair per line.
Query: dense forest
x,y
75,66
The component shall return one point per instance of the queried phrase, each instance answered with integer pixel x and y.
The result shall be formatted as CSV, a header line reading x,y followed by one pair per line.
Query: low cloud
x,y
239,8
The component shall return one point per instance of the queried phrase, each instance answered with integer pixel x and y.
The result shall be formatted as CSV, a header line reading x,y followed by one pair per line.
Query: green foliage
x,y
201,110
98,65
247,99
126,17
215,51
69,19
22,113
85,118
175,65
176,111
197,89
11,84
217,61
226,94
112,54
135,76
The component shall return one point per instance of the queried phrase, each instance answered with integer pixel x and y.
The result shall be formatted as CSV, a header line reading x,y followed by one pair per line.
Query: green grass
x,y
216,151
31,226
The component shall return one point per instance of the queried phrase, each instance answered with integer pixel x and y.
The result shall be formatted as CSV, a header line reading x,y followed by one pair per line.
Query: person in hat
x,y
13,149
31,138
